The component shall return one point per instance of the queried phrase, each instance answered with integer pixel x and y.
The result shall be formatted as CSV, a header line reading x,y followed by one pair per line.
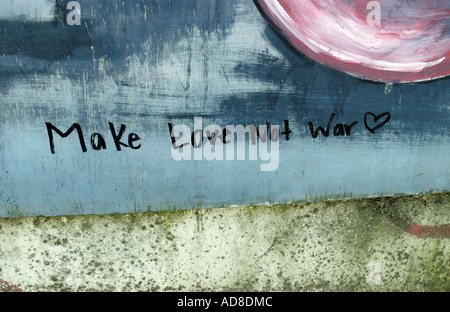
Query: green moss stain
x,y
437,273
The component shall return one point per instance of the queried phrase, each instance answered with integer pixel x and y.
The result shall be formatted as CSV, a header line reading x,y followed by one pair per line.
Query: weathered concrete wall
x,y
362,245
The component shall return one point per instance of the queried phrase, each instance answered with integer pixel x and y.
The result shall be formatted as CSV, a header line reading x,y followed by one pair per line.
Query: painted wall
x,y
134,67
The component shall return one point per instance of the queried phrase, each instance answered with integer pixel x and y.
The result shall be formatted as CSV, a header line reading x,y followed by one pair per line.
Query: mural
x,y
147,105
387,40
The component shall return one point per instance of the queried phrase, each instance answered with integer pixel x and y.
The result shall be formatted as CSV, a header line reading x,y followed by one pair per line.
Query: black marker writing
x,y
97,140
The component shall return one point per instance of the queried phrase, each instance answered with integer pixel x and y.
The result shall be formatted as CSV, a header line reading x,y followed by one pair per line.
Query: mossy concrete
x,y
348,245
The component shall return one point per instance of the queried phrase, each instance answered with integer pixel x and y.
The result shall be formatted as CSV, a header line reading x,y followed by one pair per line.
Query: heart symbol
x,y
401,46
376,120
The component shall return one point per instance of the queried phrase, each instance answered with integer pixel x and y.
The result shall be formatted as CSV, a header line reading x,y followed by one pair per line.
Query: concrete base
x,y
359,245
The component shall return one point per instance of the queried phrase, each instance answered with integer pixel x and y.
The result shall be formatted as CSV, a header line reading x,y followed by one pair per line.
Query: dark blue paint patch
x,y
41,40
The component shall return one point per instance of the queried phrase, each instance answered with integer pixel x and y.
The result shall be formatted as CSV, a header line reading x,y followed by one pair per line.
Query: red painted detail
x,y
440,231
7,287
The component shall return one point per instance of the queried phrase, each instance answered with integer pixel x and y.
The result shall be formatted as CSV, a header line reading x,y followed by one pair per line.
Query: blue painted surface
x,y
145,64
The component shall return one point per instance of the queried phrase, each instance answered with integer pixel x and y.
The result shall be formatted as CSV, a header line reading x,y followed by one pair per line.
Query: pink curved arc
x,y
412,43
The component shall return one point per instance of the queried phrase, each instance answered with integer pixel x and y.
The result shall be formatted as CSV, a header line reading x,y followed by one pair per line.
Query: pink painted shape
x,y
411,44
7,287
440,231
